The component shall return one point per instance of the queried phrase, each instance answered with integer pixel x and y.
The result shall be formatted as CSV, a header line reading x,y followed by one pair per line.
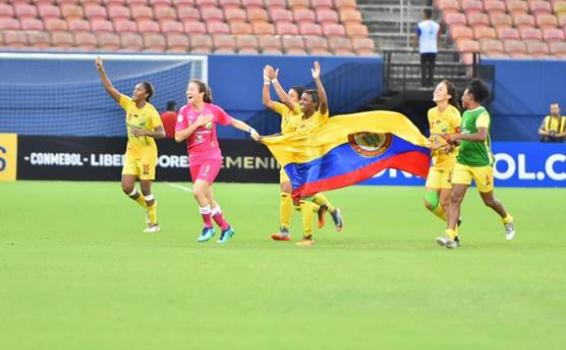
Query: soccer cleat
x,y
453,243
152,228
226,235
207,233
305,242
441,240
337,218
445,241
509,231
279,236
282,235
321,219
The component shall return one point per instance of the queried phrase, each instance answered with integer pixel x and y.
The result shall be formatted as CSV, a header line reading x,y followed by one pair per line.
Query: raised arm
x,y
266,93
323,99
273,74
115,94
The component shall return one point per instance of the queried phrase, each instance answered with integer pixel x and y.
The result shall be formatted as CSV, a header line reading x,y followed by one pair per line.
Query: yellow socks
x,y
141,201
151,209
307,213
508,219
451,233
440,213
315,208
285,209
152,213
136,196
321,199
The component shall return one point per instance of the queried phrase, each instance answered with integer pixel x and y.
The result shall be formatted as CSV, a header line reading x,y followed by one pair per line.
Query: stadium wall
x,y
524,90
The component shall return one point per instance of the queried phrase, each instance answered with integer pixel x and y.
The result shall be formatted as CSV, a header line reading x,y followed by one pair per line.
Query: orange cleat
x,y
280,237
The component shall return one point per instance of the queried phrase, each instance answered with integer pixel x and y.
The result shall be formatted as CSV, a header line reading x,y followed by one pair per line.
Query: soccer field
x,y
76,272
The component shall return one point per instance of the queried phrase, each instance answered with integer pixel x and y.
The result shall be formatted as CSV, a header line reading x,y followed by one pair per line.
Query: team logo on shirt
x,y
370,144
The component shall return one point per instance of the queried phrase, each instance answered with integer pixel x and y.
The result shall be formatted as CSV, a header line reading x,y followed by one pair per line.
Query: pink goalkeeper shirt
x,y
202,145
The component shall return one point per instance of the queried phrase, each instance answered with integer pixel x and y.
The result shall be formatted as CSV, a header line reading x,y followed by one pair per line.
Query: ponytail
x,y
451,90
148,89
207,95
202,87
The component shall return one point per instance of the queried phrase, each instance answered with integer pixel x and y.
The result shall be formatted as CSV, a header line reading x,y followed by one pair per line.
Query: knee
x,y
445,202
489,202
127,188
199,192
455,199
286,187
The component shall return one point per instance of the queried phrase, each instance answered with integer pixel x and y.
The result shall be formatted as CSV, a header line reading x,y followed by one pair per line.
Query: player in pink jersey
x,y
196,123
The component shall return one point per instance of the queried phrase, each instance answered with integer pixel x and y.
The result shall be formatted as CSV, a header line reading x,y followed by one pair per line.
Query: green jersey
x,y
475,153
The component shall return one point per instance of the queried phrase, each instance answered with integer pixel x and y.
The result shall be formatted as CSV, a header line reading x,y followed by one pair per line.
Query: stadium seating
x,y
320,27
177,43
506,28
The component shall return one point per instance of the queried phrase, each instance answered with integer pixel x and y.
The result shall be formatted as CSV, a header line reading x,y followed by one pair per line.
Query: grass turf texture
x,y
76,272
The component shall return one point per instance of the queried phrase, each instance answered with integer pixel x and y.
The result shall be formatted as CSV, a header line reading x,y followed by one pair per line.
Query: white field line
x,y
180,187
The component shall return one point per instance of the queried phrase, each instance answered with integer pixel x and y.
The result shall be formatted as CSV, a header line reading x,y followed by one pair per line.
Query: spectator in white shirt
x,y
428,32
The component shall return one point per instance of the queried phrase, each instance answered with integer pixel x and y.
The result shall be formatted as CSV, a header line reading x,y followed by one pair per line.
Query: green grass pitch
x,y
76,272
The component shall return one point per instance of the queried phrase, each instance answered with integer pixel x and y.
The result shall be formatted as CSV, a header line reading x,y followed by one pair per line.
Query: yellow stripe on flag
x,y
304,146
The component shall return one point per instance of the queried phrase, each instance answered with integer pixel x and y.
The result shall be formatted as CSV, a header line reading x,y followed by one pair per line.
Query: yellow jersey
x,y
316,120
445,122
146,118
288,116
556,124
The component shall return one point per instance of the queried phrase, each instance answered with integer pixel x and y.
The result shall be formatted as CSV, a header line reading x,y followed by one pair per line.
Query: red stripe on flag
x,y
416,163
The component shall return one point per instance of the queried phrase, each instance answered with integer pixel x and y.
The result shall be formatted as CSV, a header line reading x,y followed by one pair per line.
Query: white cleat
x,y
509,231
152,229
447,242
441,241
453,243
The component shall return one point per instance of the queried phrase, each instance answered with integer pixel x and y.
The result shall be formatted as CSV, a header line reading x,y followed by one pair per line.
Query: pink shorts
x,y
206,171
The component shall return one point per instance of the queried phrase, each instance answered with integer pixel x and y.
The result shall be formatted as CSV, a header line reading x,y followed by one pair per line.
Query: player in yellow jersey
x,y
290,112
443,119
314,114
144,125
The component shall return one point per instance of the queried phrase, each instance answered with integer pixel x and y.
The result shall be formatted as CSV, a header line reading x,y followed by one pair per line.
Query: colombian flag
x,y
349,149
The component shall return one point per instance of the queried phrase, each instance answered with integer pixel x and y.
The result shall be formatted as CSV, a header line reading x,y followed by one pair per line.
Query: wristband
x,y
273,81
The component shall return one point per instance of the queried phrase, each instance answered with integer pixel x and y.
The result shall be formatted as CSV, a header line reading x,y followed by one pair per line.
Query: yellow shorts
x,y
283,176
142,167
482,176
439,178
